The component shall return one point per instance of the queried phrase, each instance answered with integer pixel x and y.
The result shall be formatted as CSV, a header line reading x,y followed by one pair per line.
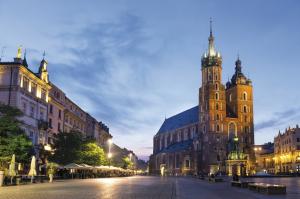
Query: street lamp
x,y
109,155
47,147
130,155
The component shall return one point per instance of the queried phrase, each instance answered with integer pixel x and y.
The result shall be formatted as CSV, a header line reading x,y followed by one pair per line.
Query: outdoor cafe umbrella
x,y
12,171
32,171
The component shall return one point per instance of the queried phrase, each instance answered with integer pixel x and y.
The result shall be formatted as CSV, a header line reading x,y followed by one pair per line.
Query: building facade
x,y
75,117
46,108
224,121
287,151
56,109
264,158
28,91
175,144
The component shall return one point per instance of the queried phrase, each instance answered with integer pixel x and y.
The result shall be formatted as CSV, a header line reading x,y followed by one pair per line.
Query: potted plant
x,y
51,169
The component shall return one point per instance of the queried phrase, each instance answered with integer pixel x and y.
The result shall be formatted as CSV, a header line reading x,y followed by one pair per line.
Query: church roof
x,y
179,146
182,119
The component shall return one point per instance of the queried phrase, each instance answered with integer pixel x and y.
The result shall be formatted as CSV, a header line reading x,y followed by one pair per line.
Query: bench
x,y
215,179
267,188
242,184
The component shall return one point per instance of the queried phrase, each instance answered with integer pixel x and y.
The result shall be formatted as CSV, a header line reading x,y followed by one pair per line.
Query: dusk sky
x,y
131,63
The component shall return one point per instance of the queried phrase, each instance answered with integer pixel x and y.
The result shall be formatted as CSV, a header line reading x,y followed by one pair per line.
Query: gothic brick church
x,y
217,135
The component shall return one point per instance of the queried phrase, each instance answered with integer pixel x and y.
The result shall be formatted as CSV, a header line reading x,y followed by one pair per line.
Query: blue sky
x,y
130,63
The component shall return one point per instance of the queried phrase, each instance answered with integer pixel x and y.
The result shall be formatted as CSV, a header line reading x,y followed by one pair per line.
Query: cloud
x,y
279,119
108,73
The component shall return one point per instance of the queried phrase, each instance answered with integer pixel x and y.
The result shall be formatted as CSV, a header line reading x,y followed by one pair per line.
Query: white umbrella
x,y
32,171
12,170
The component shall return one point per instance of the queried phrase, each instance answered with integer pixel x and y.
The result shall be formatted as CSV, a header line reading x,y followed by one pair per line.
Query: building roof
x,y
182,119
179,146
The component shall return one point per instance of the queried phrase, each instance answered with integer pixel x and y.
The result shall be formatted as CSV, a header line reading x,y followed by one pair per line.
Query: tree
x,y
92,154
13,139
67,147
127,163
20,145
9,124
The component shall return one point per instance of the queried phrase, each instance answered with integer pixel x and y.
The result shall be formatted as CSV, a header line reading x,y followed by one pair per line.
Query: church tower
x,y
212,108
239,99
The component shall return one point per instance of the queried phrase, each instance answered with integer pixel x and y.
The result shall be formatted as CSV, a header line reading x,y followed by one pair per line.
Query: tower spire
x,y
210,27
44,54
211,47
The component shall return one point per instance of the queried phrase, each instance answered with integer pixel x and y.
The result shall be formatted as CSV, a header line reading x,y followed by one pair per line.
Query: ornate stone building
x,y
287,151
22,88
202,142
47,110
56,110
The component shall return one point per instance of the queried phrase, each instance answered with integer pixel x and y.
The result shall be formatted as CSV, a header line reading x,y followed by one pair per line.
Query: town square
x,y
149,99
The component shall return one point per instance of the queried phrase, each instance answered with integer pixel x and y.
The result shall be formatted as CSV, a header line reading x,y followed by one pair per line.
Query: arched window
x,y
244,96
245,109
217,87
218,117
218,128
217,106
232,130
217,96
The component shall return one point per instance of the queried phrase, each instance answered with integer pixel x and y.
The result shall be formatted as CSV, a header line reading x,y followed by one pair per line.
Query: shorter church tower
x,y
239,100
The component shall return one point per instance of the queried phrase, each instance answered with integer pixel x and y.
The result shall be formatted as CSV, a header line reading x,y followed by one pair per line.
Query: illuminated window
x,y
25,83
33,88
43,94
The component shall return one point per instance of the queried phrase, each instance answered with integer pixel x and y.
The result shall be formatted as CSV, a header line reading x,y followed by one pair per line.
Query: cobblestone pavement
x,y
142,187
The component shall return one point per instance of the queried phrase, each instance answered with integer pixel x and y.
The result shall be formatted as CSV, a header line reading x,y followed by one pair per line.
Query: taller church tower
x,y
212,107
225,113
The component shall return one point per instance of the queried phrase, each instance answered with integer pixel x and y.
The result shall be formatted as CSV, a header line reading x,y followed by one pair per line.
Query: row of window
x,y
217,128
51,111
30,110
33,88
58,125
74,123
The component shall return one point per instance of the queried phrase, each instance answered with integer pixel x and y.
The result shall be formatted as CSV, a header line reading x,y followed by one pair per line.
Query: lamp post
x,y
130,156
109,155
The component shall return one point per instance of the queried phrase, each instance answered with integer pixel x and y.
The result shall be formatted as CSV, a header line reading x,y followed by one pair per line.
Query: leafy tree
x,y
67,147
13,139
92,154
9,124
127,163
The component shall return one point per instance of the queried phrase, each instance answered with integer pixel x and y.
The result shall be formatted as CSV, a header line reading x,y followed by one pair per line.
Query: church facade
x,y
215,136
